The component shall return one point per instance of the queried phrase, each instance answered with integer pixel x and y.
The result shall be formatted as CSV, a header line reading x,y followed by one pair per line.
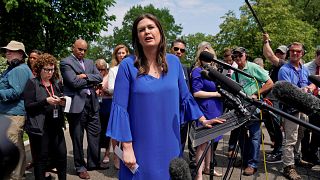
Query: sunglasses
x,y
234,56
46,70
296,51
101,70
177,49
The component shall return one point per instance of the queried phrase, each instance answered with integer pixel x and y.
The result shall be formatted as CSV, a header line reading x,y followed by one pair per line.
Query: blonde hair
x,y
102,62
201,47
114,60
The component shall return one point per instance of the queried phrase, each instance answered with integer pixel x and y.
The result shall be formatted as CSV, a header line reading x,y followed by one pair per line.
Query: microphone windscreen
x,y
226,82
295,97
179,169
206,56
315,80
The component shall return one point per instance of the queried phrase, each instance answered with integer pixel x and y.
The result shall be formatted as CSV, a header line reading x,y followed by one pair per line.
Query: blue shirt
x,y
12,83
298,77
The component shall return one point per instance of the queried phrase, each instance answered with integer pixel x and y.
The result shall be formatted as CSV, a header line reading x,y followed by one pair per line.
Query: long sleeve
x,y
119,122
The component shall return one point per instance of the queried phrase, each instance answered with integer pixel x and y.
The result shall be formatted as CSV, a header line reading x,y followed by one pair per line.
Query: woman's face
x,y
103,71
33,58
47,72
121,54
148,33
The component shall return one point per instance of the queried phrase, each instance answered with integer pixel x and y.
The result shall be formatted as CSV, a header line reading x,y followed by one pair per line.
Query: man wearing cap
x,y
277,60
251,153
12,83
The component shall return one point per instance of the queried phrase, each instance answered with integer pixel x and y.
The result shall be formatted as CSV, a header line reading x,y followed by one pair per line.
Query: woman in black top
x,y
45,120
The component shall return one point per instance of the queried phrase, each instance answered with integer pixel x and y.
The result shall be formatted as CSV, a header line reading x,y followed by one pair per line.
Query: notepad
x,y
119,153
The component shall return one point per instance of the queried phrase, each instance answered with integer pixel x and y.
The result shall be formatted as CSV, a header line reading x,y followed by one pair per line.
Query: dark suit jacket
x,y
76,87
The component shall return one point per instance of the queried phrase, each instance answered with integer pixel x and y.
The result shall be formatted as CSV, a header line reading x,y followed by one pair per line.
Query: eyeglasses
x,y
101,70
295,51
234,56
46,70
177,49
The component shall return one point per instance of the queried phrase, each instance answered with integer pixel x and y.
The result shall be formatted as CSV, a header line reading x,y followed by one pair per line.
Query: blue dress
x,y
147,111
211,107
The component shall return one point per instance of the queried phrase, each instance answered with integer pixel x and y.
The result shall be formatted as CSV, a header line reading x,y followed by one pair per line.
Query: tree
x,y
123,35
52,25
277,17
192,41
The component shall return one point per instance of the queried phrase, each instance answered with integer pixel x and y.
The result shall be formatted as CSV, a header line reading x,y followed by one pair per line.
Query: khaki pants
x,y
293,136
15,134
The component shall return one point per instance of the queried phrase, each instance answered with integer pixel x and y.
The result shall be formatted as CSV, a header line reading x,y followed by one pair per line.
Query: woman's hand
x,y
208,123
129,158
53,100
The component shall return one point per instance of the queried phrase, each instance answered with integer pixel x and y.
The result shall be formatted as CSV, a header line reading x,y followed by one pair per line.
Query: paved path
x,y
274,170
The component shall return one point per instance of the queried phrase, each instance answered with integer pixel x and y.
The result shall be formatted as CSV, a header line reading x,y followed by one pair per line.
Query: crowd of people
x,y
144,103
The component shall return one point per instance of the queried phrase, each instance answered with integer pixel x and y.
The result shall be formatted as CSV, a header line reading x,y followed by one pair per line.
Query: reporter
x,y
45,118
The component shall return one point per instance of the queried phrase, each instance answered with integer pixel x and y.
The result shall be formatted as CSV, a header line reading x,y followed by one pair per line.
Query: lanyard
x,y
52,92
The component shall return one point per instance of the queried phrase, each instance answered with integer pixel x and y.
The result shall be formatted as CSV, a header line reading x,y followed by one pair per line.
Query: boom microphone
x,y
207,56
179,169
306,101
314,79
295,97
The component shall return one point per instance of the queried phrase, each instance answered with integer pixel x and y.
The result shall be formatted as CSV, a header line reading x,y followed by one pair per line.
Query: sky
x,y
202,16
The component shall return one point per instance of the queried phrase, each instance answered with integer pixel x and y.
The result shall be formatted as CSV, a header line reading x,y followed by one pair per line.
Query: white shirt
x,y
112,78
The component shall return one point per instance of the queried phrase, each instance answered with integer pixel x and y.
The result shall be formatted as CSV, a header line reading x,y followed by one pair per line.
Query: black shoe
x,y
274,158
192,165
304,164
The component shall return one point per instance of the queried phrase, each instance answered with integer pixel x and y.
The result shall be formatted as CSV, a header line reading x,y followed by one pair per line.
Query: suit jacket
x,y
76,87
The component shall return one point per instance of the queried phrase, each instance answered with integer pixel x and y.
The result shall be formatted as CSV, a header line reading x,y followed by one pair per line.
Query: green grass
x,y
25,136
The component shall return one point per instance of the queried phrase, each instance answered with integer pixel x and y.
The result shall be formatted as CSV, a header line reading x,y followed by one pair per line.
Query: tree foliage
x,y
277,17
52,25
122,35
192,41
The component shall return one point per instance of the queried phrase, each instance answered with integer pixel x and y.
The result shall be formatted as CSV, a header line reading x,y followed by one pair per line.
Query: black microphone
x,y
315,80
227,83
207,56
295,97
179,169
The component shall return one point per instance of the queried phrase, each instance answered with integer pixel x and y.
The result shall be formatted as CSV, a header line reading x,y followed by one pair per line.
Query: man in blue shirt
x,y
12,82
297,74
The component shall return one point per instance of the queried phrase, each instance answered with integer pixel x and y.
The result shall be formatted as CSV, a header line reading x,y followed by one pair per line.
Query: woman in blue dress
x,y
150,101
209,101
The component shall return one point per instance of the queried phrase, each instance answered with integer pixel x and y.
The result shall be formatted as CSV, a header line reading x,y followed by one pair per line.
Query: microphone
x,y
179,169
314,79
295,97
313,104
207,56
227,83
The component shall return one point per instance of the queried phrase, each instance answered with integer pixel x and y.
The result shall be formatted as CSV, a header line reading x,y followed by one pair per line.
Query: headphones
x,y
297,43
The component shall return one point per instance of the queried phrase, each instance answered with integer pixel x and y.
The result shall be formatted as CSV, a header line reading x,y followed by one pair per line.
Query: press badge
x,y
55,113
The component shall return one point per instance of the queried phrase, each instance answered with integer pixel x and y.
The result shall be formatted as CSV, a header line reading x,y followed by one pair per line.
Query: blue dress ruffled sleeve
x,y
119,122
189,109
